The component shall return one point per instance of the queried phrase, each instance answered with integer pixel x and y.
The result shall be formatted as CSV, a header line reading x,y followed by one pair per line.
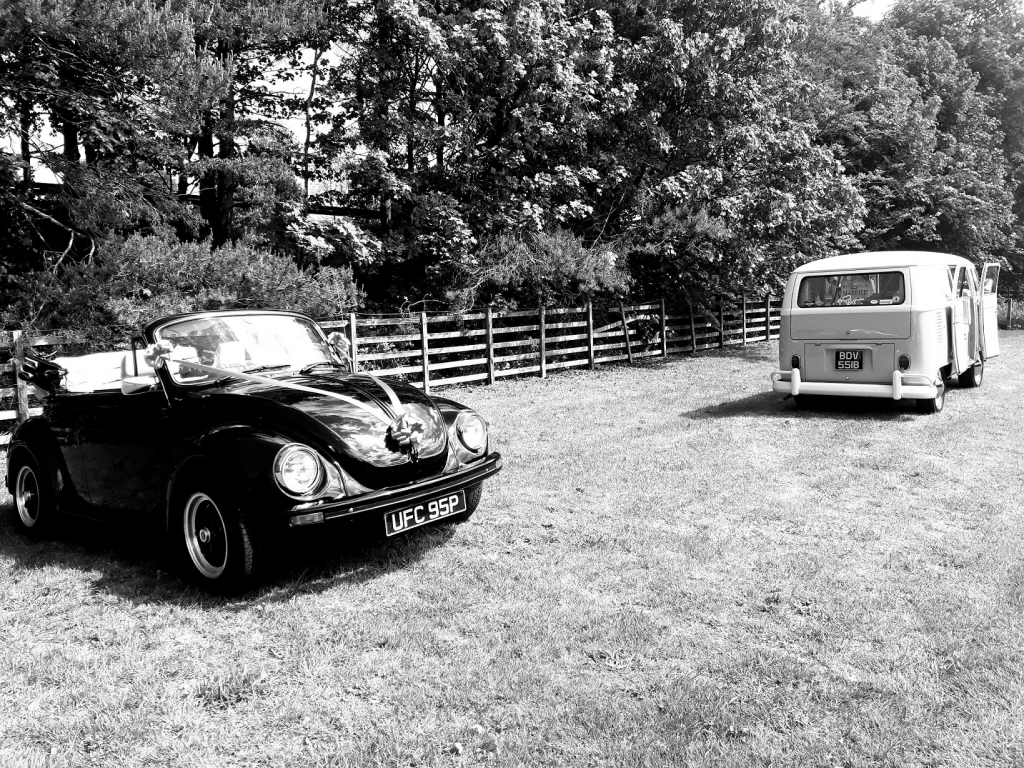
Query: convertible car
x,y
222,429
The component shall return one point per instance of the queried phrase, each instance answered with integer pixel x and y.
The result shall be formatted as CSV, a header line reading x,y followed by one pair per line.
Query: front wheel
x,y
934,404
972,376
34,499
215,545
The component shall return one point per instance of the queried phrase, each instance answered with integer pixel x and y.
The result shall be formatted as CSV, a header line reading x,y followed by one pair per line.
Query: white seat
x,y
230,355
98,372
132,382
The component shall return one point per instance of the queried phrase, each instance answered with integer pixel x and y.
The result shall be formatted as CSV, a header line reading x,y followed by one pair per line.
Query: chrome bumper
x,y
790,383
390,499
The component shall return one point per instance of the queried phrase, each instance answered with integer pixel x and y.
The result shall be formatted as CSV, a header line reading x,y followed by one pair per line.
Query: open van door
x,y
989,323
963,326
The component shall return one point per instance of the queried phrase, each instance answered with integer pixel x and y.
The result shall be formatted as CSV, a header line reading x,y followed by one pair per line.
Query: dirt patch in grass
x,y
676,567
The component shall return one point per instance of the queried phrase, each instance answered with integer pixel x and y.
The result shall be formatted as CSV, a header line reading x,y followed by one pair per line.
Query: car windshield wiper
x,y
262,368
313,366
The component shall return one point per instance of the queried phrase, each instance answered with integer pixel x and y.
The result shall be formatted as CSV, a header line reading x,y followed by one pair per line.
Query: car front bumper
x,y
395,499
790,383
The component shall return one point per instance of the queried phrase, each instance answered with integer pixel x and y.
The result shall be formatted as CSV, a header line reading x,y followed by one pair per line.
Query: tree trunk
x,y
217,186
208,181
25,134
69,131
221,228
317,53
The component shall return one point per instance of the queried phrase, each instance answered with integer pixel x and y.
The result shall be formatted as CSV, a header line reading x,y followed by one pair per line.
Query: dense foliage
x,y
512,152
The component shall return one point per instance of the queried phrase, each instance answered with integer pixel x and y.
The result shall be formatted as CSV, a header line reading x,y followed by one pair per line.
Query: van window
x,y
858,289
963,287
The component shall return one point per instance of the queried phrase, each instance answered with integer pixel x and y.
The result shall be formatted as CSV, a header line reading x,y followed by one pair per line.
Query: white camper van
x,y
893,324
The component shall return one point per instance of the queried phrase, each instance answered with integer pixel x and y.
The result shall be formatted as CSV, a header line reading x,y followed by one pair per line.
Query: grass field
x,y
676,567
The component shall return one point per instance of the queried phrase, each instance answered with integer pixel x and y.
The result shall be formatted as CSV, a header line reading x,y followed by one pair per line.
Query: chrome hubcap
x,y
26,496
206,536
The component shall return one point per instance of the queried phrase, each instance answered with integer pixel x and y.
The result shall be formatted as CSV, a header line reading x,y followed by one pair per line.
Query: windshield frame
x,y
154,333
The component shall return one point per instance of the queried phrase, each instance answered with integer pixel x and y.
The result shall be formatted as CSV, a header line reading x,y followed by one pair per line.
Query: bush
x,y
140,278
544,267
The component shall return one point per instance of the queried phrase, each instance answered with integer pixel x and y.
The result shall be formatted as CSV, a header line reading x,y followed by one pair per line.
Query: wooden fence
x,y
432,349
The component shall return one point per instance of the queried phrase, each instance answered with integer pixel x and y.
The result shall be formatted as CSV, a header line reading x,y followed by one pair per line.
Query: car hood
x,y
362,433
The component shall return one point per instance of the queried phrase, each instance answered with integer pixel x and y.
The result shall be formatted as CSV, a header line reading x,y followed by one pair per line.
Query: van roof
x,y
882,259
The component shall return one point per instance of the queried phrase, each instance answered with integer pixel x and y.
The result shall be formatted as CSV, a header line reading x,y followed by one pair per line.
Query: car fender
x,y
450,411
239,458
36,437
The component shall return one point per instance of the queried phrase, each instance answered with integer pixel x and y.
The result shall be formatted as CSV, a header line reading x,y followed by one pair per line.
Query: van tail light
x,y
904,362
794,361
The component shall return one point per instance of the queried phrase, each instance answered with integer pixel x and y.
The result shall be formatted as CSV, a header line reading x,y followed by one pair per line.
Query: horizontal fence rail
x,y
430,349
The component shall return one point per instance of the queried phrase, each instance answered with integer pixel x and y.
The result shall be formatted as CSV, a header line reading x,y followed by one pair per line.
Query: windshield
x,y
859,289
247,343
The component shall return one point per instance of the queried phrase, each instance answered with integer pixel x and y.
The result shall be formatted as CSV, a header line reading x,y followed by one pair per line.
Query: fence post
x,y
543,343
693,330
768,318
625,333
353,341
721,324
425,352
590,334
21,387
1009,313
489,316
744,319
664,330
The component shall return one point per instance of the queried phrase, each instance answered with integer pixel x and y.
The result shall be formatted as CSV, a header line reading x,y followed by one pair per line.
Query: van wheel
x,y
934,404
972,376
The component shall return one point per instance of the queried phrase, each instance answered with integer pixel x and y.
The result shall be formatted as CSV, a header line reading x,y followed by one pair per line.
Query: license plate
x,y
415,515
849,359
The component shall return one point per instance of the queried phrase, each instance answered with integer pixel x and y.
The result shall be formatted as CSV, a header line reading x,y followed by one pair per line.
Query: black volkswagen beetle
x,y
221,429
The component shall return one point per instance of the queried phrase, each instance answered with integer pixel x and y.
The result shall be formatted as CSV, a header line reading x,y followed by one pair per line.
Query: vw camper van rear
x,y
893,325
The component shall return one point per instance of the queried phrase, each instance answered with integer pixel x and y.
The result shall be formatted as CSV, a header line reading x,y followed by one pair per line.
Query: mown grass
x,y
676,567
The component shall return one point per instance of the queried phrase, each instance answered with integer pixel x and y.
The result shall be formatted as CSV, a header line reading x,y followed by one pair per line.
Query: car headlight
x,y
298,470
472,432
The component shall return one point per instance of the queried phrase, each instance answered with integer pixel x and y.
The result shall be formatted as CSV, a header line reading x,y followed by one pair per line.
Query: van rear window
x,y
851,290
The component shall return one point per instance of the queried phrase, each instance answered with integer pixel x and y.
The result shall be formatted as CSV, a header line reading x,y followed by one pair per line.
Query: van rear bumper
x,y
789,382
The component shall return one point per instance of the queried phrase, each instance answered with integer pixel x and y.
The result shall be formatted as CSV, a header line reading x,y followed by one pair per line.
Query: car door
x,y
989,302
962,325
126,448
62,412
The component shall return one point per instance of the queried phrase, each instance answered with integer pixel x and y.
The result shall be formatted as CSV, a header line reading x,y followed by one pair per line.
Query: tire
x,y
934,404
473,495
214,544
34,501
971,378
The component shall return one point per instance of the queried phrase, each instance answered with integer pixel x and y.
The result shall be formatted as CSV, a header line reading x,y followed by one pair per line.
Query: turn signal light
x,y
904,362
310,519
794,361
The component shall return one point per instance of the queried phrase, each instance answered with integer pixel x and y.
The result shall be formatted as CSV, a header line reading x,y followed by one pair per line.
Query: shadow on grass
x,y
134,564
774,405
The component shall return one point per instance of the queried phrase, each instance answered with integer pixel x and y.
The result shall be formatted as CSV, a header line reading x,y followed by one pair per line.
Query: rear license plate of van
x,y
849,359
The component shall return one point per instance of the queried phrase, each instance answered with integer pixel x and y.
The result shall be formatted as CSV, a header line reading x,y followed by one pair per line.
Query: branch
x,y
74,233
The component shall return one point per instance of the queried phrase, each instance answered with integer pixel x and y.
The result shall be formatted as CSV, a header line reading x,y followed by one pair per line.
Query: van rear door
x,y
989,300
